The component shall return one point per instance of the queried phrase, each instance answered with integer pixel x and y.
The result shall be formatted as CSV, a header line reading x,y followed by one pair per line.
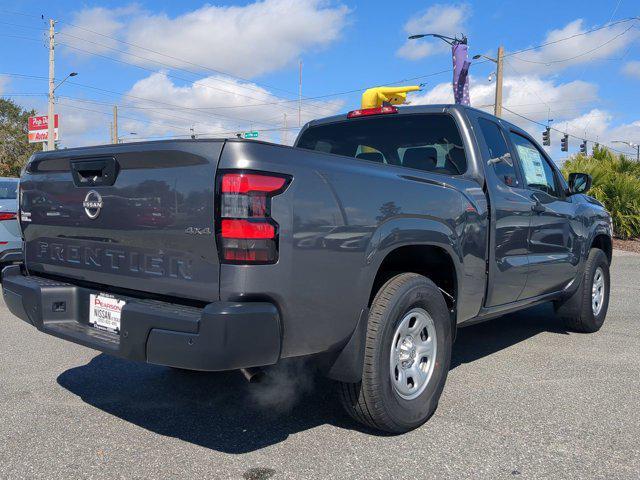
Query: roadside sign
x,y
253,134
38,129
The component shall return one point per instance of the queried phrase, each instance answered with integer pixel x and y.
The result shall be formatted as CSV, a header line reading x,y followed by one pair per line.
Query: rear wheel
x,y
407,356
586,309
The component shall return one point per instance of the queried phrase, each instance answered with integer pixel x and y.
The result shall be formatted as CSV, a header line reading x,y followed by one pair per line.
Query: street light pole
x,y
497,107
459,51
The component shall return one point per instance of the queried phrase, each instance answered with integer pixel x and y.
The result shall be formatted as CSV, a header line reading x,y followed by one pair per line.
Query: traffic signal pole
x,y
51,118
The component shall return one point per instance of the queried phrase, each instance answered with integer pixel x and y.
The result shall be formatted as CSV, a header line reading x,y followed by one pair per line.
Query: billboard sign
x,y
38,129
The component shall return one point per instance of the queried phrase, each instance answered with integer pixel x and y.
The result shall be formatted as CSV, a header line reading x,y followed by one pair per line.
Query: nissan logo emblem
x,y
92,204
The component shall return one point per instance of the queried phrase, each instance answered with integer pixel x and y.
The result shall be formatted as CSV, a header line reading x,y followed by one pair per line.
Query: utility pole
x,y
51,116
497,107
115,124
284,130
499,62
300,94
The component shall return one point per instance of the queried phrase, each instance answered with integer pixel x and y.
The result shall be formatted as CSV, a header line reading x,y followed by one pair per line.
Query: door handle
x,y
94,172
538,208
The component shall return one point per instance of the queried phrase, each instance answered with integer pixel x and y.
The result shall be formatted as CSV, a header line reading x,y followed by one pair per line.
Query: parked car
x,y
10,237
364,248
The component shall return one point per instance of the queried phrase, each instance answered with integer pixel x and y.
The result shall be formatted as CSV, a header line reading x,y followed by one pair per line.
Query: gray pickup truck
x,y
364,247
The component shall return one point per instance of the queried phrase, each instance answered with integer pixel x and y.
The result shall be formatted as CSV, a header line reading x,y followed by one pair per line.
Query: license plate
x,y
104,312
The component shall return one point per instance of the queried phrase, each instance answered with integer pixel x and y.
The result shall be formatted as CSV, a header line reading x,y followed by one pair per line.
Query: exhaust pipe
x,y
252,374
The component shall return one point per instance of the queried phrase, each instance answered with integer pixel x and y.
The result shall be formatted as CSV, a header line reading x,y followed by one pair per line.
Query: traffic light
x,y
583,147
564,143
546,137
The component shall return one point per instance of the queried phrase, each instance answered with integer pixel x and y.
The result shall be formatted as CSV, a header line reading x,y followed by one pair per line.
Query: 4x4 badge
x,y
92,204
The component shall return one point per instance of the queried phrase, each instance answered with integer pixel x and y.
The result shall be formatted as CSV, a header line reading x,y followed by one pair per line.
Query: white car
x,y
10,236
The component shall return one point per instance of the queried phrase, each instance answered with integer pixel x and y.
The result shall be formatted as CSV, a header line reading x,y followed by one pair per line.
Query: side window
x,y
497,147
538,174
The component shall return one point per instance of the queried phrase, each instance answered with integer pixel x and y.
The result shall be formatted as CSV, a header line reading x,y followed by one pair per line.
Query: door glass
x,y
497,147
538,174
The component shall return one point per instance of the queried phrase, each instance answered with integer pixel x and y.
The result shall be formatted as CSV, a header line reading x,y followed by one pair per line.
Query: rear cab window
x,y
430,142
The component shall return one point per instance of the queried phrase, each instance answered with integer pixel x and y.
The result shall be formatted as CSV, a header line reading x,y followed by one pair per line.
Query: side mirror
x,y
579,183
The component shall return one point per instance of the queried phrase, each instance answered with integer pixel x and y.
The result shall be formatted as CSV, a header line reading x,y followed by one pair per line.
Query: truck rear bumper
x,y
220,336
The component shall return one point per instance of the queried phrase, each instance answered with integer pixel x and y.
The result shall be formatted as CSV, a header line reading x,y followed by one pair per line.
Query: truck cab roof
x,y
414,109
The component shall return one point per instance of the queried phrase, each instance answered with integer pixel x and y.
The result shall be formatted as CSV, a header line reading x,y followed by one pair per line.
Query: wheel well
x,y
603,242
430,261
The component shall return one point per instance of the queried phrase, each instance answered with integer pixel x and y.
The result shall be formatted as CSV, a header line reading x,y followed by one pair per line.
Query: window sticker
x,y
532,165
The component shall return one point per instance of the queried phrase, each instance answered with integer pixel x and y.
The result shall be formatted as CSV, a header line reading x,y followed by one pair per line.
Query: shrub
x,y
616,184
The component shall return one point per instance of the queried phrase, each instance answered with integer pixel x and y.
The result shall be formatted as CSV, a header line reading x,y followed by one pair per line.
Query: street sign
x,y
38,129
253,134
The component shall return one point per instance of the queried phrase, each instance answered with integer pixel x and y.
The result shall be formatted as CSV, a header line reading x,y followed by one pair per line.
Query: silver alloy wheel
x,y
413,353
597,291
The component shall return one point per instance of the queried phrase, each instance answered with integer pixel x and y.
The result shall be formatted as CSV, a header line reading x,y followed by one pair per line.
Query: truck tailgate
x,y
138,217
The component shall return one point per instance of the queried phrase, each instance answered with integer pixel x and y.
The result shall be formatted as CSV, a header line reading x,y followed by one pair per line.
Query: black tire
x,y
374,401
576,311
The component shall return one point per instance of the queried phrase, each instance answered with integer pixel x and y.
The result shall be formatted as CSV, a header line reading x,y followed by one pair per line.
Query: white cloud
x,y
632,69
528,95
570,104
166,109
249,40
599,126
577,47
444,19
571,109
90,27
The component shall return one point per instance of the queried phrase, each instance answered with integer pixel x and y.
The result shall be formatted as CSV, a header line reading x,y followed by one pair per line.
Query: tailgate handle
x,y
94,172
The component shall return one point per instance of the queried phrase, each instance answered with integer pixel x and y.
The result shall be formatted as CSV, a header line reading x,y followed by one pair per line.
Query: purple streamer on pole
x,y
461,65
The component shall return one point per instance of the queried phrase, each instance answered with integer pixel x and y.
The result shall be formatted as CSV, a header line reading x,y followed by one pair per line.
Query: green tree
x,y
616,184
15,148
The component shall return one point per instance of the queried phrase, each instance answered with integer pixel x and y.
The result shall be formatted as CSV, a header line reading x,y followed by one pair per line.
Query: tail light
x,y
365,112
7,216
246,231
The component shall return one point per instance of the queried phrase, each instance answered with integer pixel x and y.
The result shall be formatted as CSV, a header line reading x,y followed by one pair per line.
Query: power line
x,y
202,67
220,72
28,27
23,75
562,131
575,35
550,62
167,74
217,132
526,82
198,82
150,122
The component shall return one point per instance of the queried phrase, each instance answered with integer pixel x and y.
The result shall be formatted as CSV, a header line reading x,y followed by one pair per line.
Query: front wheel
x,y
586,309
407,356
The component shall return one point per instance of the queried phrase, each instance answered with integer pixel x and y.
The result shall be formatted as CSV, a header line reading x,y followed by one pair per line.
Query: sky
x,y
214,69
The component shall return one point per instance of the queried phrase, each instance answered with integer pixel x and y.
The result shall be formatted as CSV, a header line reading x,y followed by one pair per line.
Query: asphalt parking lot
x,y
524,399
